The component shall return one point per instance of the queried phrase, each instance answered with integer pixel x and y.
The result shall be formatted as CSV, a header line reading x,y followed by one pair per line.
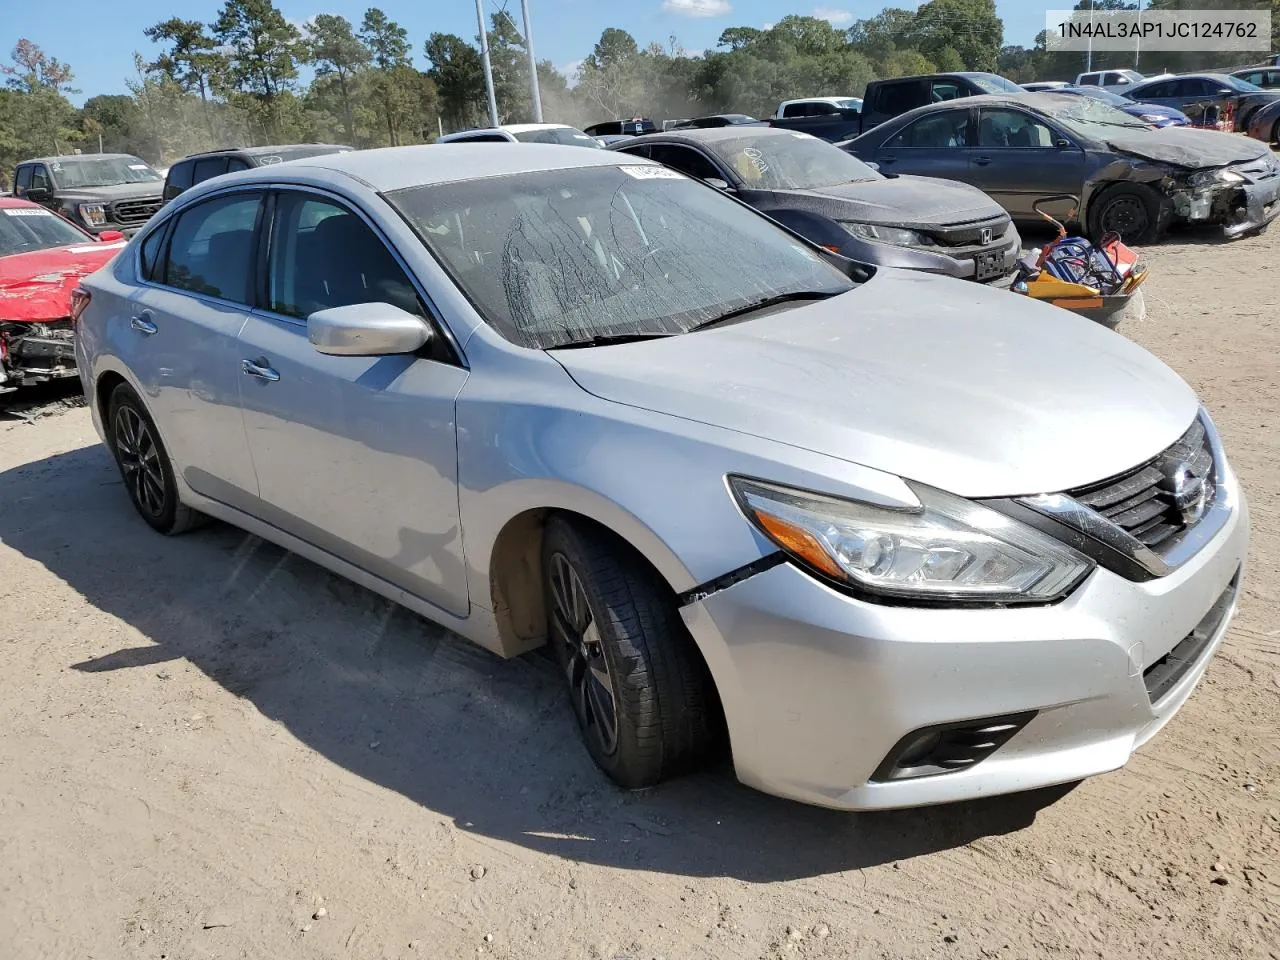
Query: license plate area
x,y
989,265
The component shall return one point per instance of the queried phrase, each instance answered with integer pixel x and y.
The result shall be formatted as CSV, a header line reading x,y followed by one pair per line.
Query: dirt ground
x,y
210,748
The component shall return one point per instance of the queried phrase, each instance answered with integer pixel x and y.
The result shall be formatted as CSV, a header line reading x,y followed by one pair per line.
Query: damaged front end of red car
x,y
36,352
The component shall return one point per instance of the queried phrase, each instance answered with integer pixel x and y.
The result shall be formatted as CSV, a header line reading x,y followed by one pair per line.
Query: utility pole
x,y
1137,48
488,66
1088,57
533,64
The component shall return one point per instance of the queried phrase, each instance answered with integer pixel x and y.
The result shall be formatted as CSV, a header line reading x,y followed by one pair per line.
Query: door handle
x,y
142,323
981,161
260,369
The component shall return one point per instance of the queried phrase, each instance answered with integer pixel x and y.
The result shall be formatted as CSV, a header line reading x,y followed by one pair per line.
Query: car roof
x,y
526,127
6,201
713,134
394,168
818,100
73,157
949,73
260,151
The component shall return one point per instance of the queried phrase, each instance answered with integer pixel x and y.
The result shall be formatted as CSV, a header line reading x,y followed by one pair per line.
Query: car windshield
x,y
1244,86
990,83
24,229
792,161
563,257
1096,93
1084,115
100,172
850,103
566,135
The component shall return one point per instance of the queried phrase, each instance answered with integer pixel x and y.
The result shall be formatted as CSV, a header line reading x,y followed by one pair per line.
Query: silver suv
x,y
903,538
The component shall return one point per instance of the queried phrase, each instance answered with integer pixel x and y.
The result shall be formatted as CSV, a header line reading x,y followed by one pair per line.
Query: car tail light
x,y
79,300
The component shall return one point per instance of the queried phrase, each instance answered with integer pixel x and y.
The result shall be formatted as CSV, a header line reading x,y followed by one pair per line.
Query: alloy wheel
x,y
582,654
140,461
1126,216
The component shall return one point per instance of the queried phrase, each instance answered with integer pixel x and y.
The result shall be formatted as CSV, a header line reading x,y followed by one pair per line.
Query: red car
x,y
42,258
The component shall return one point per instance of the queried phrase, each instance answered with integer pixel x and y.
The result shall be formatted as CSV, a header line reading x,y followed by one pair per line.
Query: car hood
x,y
117,191
37,286
1184,147
977,391
898,200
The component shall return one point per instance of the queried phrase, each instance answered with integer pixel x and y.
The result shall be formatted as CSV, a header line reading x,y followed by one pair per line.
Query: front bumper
x,y
819,687
1261,206
958,262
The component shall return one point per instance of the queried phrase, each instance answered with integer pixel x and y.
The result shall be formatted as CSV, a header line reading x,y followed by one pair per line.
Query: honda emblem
x,y
984,237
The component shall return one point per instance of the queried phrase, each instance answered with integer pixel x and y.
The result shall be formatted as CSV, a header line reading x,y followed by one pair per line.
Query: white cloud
x,y
833,15
697,8
570,71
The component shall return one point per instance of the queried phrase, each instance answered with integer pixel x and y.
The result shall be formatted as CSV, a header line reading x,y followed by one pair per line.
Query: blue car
x,y
1155,114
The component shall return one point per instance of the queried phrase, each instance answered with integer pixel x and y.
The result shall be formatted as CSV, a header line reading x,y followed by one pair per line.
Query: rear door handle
x,y
259,368
142,323
982,161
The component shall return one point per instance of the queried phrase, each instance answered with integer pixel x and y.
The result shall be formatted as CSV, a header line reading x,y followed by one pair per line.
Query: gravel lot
x,y
211,748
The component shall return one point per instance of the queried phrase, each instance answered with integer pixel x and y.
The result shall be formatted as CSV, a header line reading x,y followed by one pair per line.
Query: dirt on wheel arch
x,y
210,748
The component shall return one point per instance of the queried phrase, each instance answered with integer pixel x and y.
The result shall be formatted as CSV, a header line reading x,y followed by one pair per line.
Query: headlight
x,y
93,214
948,548
894,235
1152,117
1210,178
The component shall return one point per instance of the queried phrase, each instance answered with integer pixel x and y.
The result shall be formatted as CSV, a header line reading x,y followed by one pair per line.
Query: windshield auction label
x,y
652,173
1139,30
26,212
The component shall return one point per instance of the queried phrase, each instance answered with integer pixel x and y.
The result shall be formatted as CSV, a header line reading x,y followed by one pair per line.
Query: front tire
x,y
1133,210
144,464
643,697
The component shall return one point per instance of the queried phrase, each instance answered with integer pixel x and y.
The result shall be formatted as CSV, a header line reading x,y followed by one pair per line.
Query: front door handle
x,y
981,161
142,323
259,368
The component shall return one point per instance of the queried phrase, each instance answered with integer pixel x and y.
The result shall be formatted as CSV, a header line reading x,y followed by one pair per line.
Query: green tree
x,y
614,48
458,73
970,28
336,50
262,50
36,117
192,57
388,42
509,62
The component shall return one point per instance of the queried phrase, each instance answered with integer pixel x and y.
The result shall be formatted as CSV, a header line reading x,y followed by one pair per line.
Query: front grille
x,y
969,234
1154,501
131,212
1163,675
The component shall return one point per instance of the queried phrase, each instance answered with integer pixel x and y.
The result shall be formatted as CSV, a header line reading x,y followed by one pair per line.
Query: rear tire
x,y
144,464
644,700
1133,210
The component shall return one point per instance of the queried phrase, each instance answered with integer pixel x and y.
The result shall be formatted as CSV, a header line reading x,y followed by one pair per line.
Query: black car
x,y
885,99
718,120
199,167
96,191
1198,94
616,128
1129,178
838,202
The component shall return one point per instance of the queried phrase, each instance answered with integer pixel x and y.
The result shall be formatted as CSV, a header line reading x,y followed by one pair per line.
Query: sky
x,y
98,39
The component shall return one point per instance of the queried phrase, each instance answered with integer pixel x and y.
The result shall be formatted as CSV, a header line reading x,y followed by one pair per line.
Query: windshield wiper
x,y
608,340
763,304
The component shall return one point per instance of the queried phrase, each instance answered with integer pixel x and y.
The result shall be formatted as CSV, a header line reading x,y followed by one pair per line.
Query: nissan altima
x,y
897,538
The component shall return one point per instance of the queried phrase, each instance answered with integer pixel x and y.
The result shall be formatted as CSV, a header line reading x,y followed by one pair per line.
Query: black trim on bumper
x,y
704,590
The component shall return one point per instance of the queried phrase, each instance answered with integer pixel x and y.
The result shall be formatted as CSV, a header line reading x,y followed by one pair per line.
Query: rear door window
x,y
150,254
1008,129
896,98
235,163
795,110
212,246
1088,80
941,90
939,130
208,167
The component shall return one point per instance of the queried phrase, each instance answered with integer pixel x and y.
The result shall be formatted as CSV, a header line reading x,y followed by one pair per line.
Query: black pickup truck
x,y
96,191
841,125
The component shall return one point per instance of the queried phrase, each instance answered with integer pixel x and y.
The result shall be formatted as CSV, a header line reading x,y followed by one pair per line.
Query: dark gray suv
x,y
199,167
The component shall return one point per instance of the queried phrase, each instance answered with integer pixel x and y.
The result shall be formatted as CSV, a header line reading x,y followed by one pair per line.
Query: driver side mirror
x,y
1224,92
1062,143
37,194
721,185
110,236
366,330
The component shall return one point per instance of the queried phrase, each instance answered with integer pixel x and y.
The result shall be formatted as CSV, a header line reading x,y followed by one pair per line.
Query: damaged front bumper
x,y
32,353
1243,199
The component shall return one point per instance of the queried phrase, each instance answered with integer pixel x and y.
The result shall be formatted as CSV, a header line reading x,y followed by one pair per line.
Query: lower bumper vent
x,y
1163,675
949,747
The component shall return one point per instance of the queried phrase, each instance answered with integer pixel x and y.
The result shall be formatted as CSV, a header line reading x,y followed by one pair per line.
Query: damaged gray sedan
x,y
842,204
1131,179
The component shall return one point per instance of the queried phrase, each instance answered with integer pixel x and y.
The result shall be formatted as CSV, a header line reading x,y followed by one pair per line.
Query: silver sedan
x,y
899,539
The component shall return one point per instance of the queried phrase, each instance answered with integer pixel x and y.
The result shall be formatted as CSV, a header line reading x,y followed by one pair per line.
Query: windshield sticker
x,y
55,167
652,173
26,212
137,166
267,161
